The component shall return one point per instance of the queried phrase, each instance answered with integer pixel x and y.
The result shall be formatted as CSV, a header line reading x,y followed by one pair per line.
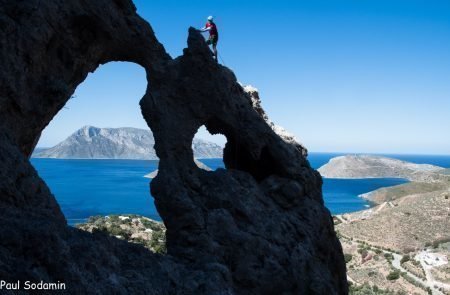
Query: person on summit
x,y
213,34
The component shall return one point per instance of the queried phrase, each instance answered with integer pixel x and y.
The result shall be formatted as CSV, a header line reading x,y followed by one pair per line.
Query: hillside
x,y
372,268
117,143
407,218
413,230
129,227
406,224
387,194
368,166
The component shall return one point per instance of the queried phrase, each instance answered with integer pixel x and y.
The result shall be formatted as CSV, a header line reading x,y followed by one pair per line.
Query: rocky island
x,y
91,142
369,166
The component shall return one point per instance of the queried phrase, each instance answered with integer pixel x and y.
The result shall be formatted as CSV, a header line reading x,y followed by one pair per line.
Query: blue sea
x,y
85,188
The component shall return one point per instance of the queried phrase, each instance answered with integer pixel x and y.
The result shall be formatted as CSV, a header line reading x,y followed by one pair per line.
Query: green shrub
x,y
114,218
363,252
405,258
160,249
348,257
151,224
116,230
393,275
93,219
388,256
366,289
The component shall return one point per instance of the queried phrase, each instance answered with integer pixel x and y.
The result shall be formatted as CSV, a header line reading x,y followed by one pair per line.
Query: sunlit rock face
x,y
258,227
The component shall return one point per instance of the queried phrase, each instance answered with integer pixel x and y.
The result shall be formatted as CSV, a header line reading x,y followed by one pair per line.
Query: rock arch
x,y
258,228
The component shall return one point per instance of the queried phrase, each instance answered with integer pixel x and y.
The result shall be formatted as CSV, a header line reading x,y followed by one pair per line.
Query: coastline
x,y
339,196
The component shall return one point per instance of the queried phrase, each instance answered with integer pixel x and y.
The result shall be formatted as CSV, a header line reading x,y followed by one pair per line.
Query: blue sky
x,y
367,76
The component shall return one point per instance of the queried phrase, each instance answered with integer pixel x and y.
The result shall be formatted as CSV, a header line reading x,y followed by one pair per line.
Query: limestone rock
x,y
258,227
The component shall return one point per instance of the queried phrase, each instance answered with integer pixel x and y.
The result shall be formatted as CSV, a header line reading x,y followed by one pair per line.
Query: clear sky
x,y
344,76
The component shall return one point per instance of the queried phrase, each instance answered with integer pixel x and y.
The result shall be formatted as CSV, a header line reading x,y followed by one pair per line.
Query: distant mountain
x,y
39,149
117,143
367,166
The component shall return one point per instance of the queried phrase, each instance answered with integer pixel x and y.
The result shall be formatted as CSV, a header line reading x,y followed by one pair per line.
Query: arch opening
x,y
237,155
95,153
207,149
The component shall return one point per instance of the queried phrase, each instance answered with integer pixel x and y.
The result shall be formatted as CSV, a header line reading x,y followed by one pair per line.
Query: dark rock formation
x,y
259,227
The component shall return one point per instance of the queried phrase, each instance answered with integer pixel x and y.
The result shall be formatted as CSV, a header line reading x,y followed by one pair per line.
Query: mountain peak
x,y
90,142
87,131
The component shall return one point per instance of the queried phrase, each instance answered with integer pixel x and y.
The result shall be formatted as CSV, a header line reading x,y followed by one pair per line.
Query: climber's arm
x,y
204,29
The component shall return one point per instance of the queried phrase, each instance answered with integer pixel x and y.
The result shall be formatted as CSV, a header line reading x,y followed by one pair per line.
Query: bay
x,y
85,188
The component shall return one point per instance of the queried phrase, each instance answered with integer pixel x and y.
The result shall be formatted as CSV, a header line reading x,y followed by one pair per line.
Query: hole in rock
x,y
208,149
237,156
95,153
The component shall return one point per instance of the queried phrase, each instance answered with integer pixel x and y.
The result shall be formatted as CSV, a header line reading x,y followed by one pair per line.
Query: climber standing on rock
x,y
213,34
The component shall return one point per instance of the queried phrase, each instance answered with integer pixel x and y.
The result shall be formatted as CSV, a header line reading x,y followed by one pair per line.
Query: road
x,y
427,283
422,257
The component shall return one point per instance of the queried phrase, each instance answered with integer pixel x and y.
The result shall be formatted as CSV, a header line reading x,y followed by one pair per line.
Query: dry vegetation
x,y
392,193
409,219
372,267
133,228
407,224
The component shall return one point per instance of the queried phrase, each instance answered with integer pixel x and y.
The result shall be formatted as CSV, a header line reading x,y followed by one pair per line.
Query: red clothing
x,y
213,31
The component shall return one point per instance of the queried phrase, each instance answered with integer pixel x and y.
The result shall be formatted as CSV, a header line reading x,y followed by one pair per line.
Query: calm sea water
x,y
99,187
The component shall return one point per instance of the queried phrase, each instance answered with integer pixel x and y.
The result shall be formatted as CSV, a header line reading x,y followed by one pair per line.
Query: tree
x,y
405,258
393,275
348,257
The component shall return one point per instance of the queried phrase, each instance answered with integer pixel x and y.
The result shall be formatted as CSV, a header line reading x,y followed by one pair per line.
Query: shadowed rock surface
x,y
259,227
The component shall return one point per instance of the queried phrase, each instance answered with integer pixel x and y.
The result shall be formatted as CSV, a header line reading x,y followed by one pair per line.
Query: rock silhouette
x,y
259,227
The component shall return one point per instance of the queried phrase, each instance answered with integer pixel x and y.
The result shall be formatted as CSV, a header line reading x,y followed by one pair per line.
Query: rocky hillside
x,y
406,219
408,229
405,224
368,166
407,216
132,228
117,143
388,194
